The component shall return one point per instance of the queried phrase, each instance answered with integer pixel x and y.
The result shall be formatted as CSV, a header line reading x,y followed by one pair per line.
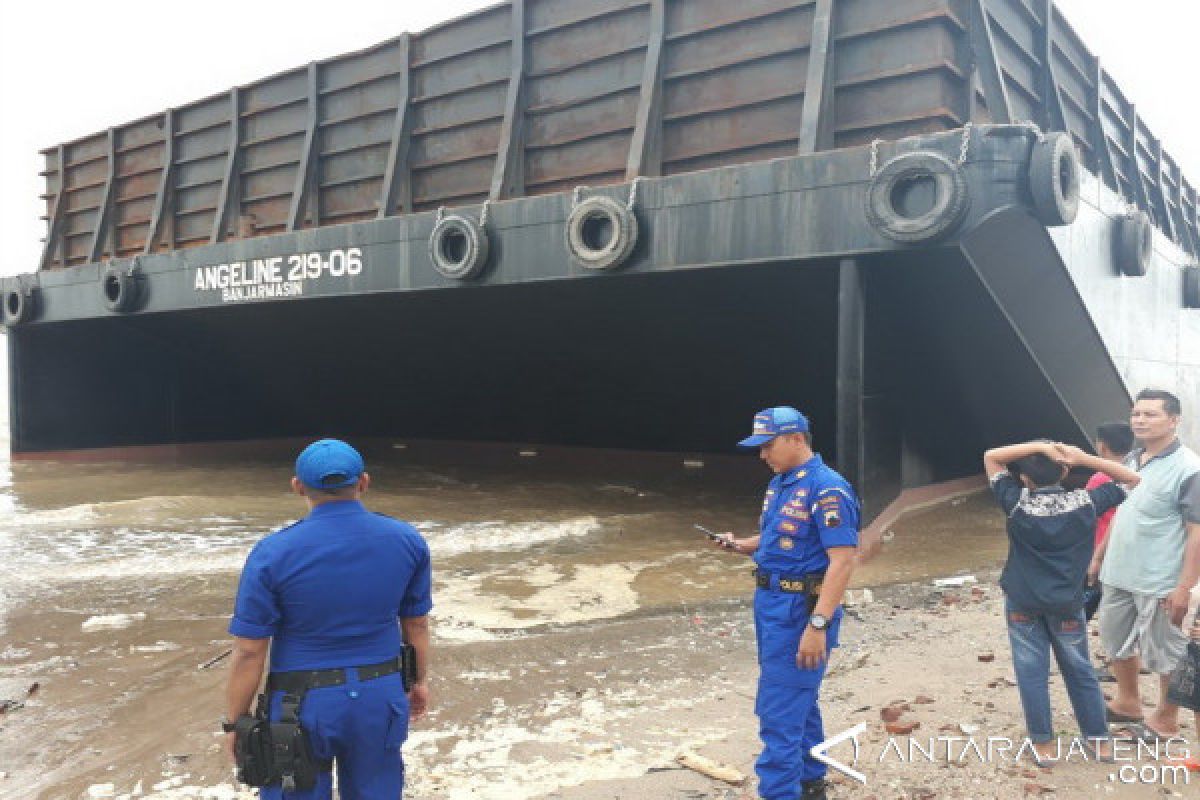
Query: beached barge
x,y
933,224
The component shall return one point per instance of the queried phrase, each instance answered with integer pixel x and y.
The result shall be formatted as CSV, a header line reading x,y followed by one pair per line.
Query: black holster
x,y
270,753
408,666
252,750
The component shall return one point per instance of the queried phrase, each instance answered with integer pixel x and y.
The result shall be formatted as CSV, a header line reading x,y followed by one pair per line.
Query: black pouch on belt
x,y
292,758
408,666
270,753
252,748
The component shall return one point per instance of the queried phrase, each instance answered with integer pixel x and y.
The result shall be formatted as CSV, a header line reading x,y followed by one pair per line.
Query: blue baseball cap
x,y
329,464
770,422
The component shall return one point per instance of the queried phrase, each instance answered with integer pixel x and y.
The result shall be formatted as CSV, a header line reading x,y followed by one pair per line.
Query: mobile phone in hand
x,y
724,541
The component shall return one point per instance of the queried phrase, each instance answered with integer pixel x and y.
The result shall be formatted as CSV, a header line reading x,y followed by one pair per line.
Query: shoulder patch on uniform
x,y
831,507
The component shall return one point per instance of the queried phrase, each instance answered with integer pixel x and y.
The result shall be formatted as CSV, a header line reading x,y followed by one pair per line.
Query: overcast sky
x,y
68,69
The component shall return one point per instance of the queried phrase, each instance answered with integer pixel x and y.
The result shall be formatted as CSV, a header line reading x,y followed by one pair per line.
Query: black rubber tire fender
x,y
951,198
120,288
459,247
601,233
1133,244
1054,172
1191,286
18,304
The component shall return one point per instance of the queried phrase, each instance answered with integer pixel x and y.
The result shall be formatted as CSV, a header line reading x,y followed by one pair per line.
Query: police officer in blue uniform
x,y
332,595
808,533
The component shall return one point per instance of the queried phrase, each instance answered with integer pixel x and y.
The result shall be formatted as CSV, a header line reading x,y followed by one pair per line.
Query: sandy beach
x,y
591,712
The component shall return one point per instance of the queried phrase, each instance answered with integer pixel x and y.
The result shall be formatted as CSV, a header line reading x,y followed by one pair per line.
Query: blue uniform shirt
x,y
328,590
806,509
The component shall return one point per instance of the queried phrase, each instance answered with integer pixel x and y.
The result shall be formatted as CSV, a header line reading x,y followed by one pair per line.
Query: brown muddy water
x,y
571,596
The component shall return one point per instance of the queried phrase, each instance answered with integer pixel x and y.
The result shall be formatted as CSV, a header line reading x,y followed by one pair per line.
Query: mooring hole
x,y
597,231
112,288
915,196
454,246
12,302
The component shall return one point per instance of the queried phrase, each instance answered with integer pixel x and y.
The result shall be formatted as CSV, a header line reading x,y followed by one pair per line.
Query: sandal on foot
x,y
1148,734
1116,717
1140,731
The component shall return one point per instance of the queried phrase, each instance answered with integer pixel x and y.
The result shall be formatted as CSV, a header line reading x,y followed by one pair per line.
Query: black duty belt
x,y
300,681
804,584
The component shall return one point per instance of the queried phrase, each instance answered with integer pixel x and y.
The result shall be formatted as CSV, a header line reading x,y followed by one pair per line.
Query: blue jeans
x,y
1033,636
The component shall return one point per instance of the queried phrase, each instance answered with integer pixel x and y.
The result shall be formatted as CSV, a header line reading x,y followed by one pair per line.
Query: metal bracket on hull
x,y
1011,252
304,191
397,176
816,127
508,179
645,148
232,160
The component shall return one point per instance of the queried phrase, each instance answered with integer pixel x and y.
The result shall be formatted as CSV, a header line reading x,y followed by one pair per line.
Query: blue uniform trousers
x,y
786,705
360,725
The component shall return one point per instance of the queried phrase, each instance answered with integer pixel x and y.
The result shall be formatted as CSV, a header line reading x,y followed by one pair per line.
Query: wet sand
x,y
910,646
590,712
579,669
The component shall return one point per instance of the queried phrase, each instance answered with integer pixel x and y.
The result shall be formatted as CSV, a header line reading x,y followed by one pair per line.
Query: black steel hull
x,y
749,286
831,204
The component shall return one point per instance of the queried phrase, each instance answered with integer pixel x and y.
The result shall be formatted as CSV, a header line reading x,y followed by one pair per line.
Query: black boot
x,y
814,790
